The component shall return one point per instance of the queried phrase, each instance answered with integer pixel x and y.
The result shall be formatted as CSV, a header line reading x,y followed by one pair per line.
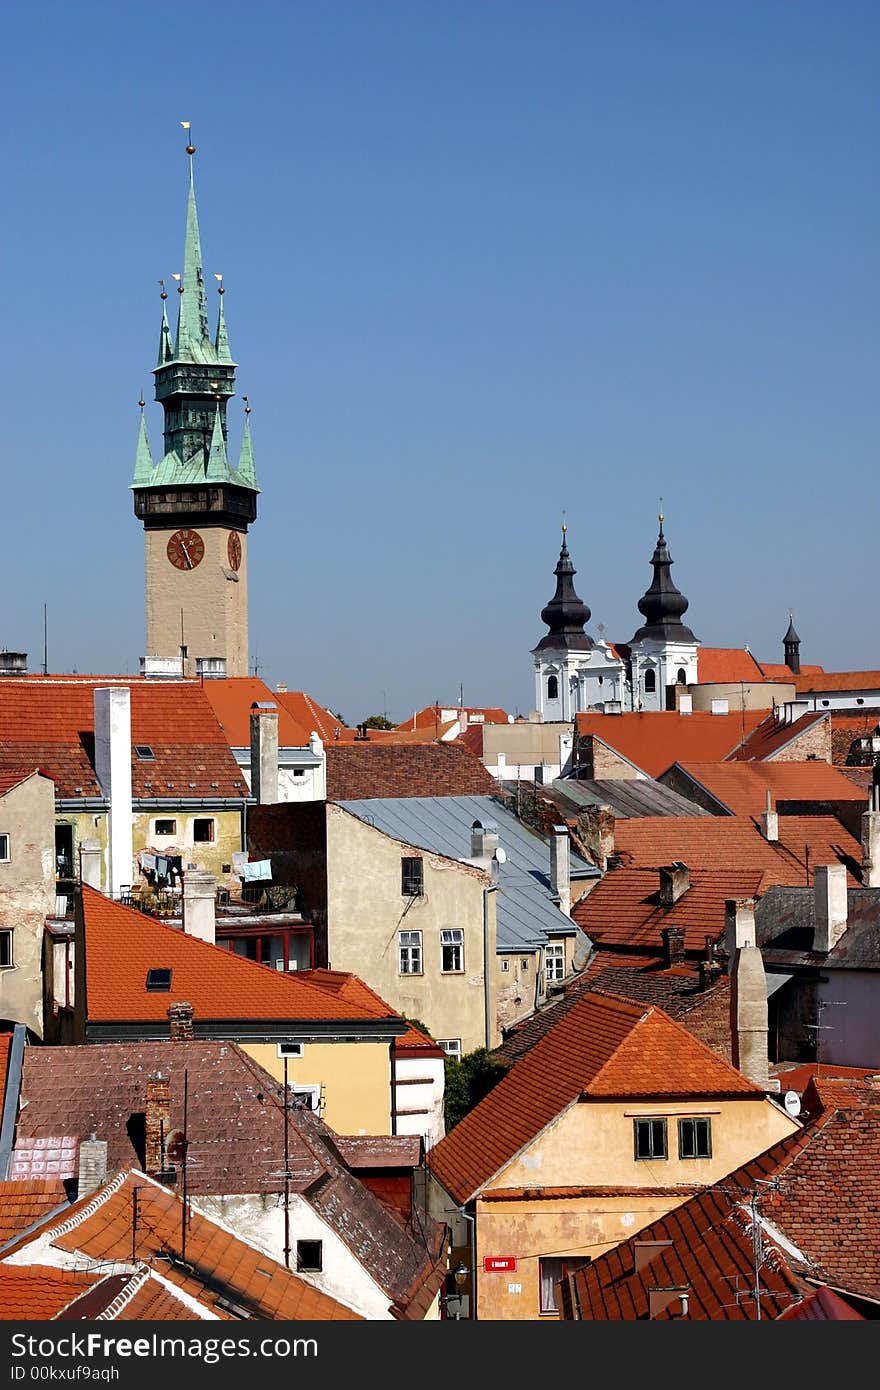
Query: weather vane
x,y
564,526
163,295
190,149
660,518
220,289
247,409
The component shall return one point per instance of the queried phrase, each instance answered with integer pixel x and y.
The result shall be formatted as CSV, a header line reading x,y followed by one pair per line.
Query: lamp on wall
x,y
453,1301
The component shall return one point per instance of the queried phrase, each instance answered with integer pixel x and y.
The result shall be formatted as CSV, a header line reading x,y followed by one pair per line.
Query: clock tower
x,y
195,506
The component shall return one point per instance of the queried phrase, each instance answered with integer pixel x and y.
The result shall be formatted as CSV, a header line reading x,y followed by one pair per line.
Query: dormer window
x,y
158,979
145,752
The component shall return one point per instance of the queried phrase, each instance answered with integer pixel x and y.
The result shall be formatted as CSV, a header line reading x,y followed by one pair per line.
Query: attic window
x,y
308,1256
158,979
145,752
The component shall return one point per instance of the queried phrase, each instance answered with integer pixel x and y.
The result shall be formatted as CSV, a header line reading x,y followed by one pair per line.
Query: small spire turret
x,y
791,644
143,462
246,470
217,470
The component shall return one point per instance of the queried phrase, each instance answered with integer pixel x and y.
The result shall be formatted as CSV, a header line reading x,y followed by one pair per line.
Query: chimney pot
x,y
675,879
180,1019
739,924
560,867
199,904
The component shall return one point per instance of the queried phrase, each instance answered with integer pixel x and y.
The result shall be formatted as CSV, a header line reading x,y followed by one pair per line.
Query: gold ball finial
x,y
247,409
564,525
190,149
660,516
141,402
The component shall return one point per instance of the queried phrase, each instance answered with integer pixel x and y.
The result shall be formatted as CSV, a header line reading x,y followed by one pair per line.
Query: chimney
x,y
199,899
720,706
769,822
685,704
484,839
264,753
675,879
560,867
748,1012
739,924
180,1019
90,858
113,770
645,1250
158,1110
673,945
830,906
871,842
92,1165
660,1298
596,830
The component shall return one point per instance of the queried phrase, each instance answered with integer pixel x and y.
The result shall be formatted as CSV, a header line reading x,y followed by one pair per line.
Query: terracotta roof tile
x,y
778,671
433,715
742,787
218,983
654,741
359,771
37,1293
25,1200
735,843
50,723
604,1046
726,665
774,734
841,681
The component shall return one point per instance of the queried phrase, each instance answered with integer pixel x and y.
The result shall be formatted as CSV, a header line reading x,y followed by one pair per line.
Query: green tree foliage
x,y
337,715
468,1081
378,721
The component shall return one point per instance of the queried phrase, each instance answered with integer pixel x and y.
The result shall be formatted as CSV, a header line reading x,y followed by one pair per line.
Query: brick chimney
x,y
158,1111
748,1013
264,753
92,1165
673,945
830,906
871,841
560,867
739,924
199,904
675,879
180,1018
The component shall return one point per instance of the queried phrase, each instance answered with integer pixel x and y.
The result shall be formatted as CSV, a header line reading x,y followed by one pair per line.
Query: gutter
x,y
10,1100
70,804
246,1030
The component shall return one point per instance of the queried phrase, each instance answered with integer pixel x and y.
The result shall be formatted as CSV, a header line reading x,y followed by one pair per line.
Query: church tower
x,y
663,652
195,506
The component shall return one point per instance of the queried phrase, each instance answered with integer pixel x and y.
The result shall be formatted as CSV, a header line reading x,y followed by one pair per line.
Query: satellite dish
x,y
792,1102
501,854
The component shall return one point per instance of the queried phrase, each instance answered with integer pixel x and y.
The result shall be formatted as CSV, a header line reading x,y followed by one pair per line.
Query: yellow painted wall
x,y
591,1144
366,910
207,854
557,1229
356,1078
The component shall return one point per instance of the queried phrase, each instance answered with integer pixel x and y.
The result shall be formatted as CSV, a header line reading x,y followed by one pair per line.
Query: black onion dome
x,y
662,605
565,614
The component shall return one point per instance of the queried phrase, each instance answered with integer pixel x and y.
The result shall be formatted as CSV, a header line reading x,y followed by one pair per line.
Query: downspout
x,y
393,1050
487,1006
473,1221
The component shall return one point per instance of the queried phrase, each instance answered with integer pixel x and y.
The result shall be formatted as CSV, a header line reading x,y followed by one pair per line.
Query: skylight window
x,y
145,752
159,979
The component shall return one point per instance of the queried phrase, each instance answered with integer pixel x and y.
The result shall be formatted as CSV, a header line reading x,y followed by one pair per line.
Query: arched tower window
x,y
552,688
682,676
650,681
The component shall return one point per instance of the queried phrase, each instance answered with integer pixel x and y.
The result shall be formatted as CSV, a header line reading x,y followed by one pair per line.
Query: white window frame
x,y
7,934
288,1049
313,1092
452,939
554,962
5,847
409,953
451,1047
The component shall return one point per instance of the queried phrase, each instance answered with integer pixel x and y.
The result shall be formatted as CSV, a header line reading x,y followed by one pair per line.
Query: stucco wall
x,y
355,1078
215,608
27,895
366,910
206,854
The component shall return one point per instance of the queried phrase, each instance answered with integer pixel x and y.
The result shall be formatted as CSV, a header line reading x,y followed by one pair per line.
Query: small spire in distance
x,y
246,471
143,461
221,341
217,470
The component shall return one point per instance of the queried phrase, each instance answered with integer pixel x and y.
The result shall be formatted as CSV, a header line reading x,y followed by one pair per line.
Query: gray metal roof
x,y
627,796
525,910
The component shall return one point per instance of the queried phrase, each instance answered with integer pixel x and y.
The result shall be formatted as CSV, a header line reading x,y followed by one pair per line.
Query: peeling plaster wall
x,y
27,895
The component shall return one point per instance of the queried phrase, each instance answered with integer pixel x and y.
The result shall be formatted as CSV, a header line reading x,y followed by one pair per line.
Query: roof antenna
x,y
45,643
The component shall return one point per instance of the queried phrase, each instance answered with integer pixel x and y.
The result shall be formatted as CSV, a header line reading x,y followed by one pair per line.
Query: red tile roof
x,y
231,701
604,1046
654,741
14,776
38,1293
735,843
823,1201
824,1305
742,787
433,715
49,723
772,735
778,671
623,910
726,666
26,1200
842,681
220,984
220,1269
358,771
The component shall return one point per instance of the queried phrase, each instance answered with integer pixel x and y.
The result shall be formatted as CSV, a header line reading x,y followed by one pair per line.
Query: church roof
x,y
565,614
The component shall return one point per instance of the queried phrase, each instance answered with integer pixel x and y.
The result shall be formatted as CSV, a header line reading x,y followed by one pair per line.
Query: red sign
x,y
499,1264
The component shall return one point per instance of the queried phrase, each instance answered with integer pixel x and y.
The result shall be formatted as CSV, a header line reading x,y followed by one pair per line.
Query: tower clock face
x,y
185,549
233,550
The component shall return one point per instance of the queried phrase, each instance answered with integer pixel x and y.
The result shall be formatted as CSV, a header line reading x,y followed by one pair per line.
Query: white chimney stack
x,y
199,911
560,867
113,770
748,1014
770,822
830,907
264,754
739,924
871,842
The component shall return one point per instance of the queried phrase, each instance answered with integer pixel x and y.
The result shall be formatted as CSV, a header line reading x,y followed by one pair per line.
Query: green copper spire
x,y
192,332
246,471
166,346
143,462
221,342
218,463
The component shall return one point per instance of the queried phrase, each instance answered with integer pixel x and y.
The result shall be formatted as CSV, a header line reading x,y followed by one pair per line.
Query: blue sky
x,y
485,261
